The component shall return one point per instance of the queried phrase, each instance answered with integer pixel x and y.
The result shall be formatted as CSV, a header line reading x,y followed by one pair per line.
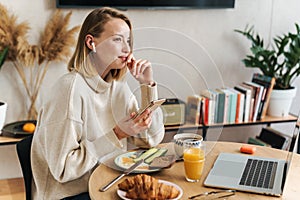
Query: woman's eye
x,y
118,39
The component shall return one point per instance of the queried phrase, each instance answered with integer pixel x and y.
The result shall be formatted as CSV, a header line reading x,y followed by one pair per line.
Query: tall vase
x,y
280,102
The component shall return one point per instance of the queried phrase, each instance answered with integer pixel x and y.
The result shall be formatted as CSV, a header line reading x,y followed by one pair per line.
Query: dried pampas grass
x,y
55,45
12,33
56,38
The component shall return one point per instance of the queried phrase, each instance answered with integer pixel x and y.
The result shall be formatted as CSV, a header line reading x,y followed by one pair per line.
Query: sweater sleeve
x,y
68,157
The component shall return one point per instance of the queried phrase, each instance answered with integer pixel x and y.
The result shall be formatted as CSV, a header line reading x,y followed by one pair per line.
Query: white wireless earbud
x,y
94,48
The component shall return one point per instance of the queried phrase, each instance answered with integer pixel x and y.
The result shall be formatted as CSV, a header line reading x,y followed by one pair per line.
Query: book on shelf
x,y
220,106
233,106
226,102
253,97
251,101
193,109
258,92
251,109
226,106
247,100
216,98
206,110
240,100
230,105
268,83
210,102
201,111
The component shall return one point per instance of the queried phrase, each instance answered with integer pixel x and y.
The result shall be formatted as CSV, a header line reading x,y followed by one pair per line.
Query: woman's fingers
x,y
148,122
130,60
143,116
143,65
132,66
139,67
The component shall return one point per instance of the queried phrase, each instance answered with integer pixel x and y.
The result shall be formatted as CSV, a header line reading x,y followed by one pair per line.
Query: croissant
x,y
167,191
145,187
127,184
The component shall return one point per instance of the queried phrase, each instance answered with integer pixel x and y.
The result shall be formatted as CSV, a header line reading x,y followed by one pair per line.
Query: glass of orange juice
x,y
193,159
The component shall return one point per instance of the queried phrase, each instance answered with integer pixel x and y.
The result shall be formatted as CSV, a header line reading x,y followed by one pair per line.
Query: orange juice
x,y
193,163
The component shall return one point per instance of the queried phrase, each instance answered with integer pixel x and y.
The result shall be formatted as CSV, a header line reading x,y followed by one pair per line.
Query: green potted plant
x,y
280,60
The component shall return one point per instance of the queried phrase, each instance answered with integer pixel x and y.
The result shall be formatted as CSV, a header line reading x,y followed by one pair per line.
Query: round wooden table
x,y
104,174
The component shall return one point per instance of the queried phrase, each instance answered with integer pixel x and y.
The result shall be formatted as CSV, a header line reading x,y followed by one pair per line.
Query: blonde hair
x,y
94,25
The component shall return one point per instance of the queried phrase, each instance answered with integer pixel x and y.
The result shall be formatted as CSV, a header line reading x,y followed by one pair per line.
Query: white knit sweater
x,y
74,131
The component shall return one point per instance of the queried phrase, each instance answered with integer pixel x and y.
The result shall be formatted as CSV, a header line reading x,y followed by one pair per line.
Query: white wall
x,y
190,50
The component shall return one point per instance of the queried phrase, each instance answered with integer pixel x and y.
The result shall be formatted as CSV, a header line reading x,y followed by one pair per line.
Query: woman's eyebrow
x,y
121,35
117,34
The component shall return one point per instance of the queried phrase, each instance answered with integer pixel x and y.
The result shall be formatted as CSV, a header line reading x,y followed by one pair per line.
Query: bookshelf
x,y
268,120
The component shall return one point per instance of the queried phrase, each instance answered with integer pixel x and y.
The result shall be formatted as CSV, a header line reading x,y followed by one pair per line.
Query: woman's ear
x,y
90,43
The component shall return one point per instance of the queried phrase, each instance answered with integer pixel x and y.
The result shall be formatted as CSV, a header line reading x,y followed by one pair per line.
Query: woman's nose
x,y
126,47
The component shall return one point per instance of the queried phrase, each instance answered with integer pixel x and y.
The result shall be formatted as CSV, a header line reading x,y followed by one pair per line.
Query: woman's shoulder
x,y
67,80
65,86
68,77
65,89
63,95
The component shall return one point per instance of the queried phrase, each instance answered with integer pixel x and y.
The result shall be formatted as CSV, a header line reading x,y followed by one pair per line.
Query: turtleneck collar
x,y
97,83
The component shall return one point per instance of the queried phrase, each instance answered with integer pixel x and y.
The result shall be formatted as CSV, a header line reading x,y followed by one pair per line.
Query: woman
x,y
89,113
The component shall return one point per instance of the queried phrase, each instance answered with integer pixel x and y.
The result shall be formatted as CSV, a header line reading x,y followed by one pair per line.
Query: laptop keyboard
x,y
259,173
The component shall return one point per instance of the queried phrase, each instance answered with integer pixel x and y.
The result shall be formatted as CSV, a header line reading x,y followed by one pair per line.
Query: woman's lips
x,y
123,58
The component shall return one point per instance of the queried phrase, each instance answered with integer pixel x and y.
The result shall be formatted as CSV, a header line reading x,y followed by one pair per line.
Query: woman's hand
x,y
140,69
129,126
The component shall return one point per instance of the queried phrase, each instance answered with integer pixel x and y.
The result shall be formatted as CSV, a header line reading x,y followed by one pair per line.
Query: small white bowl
x,y
179,141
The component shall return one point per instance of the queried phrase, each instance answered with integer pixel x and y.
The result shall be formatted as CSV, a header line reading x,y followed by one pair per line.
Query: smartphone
x,y
152,106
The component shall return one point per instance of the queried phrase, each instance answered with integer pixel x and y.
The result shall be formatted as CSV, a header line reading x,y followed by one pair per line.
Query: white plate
x,y
143,168
122,194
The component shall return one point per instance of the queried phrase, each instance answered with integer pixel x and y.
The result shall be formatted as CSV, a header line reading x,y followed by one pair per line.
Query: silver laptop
x,y
251,173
